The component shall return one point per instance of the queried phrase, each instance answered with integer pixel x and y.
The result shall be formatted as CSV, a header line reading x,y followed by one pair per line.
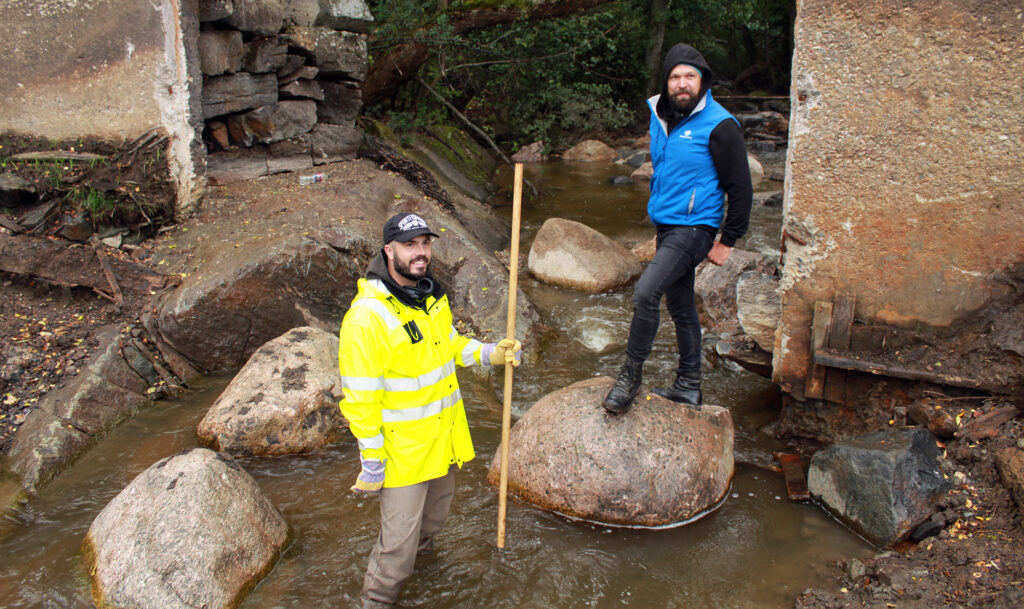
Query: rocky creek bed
x,y
975,560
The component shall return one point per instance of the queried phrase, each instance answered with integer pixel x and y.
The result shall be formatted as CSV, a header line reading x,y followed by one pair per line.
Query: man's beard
x,y
686,108
404,269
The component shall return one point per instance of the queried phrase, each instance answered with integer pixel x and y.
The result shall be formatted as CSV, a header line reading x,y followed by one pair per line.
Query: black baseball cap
x,y
405,227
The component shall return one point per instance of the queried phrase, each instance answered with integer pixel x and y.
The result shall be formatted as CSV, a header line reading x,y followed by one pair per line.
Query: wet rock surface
x,y
72,417
883,484
283,401
532,153
571,254
758,307
716,292
590,151
659,464
193,530
253,293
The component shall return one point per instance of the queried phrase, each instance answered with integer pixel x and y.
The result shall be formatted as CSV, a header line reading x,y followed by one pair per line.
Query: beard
x,y
685,107
403,268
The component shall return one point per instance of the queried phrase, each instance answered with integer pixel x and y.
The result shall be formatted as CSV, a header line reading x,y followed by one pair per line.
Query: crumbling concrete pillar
x,y
109,70
904,180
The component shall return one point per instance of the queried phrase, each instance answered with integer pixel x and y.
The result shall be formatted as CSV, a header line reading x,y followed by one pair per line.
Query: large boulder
x,y
193,530
250,294
715,289
572,254
590,151
883,484
659,464
283,401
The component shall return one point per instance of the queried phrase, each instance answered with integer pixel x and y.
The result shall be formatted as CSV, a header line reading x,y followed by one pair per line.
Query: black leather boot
x,y
685,390
625,388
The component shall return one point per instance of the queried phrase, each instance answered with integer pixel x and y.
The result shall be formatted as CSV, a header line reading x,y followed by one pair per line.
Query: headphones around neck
x,y
423,288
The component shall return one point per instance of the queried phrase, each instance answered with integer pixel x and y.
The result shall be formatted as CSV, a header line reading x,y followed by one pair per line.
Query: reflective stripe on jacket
x,y
402,399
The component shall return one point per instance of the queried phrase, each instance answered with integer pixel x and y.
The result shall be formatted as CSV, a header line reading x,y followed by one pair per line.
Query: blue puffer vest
x,y
684,188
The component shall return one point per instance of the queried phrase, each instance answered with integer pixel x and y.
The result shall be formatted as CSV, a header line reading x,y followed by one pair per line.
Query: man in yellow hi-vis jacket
x,y
397,355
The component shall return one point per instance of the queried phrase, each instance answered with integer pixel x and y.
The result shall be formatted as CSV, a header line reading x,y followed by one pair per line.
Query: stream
x,y
758,550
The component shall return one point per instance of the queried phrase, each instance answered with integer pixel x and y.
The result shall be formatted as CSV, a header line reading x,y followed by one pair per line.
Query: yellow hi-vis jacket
x,y
402,400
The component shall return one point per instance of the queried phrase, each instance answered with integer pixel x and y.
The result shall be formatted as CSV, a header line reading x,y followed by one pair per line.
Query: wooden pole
x,y
506,410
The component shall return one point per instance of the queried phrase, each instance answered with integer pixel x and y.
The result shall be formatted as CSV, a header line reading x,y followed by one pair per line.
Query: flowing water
x,y
757,550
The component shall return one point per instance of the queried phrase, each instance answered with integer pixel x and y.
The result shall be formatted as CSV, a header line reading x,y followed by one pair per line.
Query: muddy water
x,y
757,550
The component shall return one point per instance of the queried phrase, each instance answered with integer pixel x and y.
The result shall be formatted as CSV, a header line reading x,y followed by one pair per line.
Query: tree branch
x,y
472,126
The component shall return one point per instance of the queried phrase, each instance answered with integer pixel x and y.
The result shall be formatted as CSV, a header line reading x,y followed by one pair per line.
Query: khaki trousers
x,y
410,516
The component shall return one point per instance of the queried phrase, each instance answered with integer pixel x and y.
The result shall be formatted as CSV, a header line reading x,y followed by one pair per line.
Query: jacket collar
x,y
653,103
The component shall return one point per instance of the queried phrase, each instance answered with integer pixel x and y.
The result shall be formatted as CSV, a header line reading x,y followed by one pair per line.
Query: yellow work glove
x,y
505,350
371,478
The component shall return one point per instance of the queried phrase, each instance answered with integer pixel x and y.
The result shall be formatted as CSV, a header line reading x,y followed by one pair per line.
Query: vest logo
x,y
686,135
415,335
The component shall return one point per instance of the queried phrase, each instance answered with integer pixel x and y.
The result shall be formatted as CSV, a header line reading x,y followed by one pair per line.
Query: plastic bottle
x,y
316,177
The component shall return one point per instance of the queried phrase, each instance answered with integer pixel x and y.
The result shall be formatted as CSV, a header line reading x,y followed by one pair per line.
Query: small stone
x,y
856,569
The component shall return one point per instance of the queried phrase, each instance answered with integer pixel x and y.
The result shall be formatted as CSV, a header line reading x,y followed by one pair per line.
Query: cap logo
x,y
410,222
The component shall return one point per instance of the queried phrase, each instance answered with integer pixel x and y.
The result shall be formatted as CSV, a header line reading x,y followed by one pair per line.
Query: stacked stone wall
x,y
281,83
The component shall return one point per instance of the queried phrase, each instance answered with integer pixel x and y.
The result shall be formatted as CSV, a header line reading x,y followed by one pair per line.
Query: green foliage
x,y
94,201
557,80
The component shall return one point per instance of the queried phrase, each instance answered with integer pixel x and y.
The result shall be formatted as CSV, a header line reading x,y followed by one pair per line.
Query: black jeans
x,y
671,274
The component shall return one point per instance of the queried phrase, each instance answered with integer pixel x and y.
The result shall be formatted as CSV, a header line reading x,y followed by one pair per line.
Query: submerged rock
x,y
283,401
590,151
883,485
193,530
643,173
571,254
660,464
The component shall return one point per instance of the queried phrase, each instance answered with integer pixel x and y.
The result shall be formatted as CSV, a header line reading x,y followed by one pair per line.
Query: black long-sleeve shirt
x,y
729,155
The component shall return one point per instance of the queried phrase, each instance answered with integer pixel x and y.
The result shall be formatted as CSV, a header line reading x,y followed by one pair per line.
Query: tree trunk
x,y
403,61
656,31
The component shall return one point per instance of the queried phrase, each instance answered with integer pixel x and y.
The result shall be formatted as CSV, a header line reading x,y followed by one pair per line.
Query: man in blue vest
x,y
699,163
